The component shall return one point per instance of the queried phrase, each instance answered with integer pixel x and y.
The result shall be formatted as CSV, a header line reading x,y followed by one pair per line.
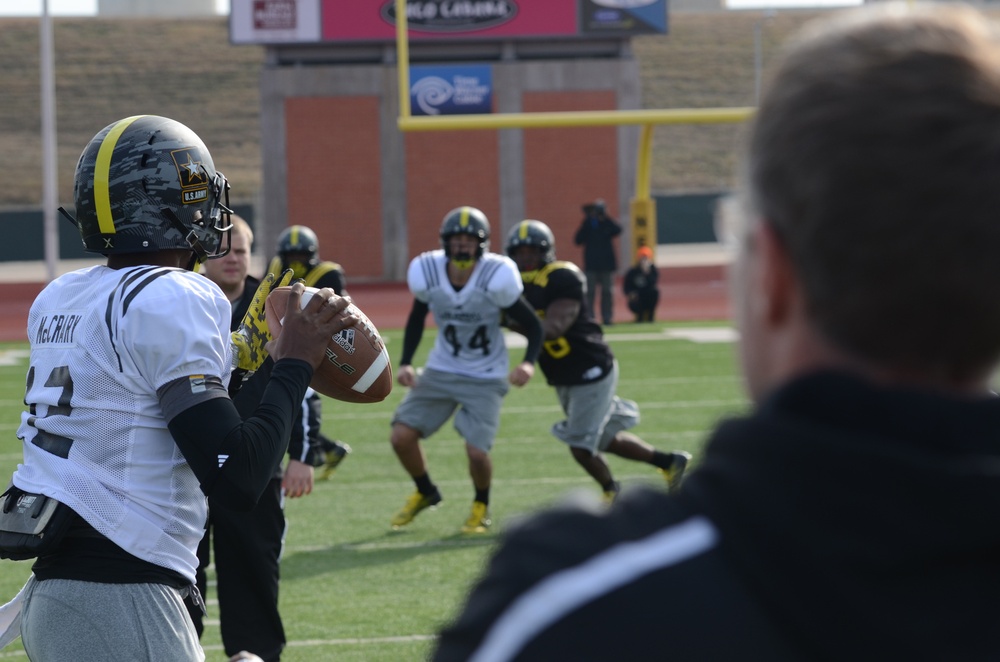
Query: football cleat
x,y
675,472
333,458
611,494
479,519
414,504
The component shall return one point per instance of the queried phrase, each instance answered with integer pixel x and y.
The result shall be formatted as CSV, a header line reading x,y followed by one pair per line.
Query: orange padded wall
x,y
334,175
565,168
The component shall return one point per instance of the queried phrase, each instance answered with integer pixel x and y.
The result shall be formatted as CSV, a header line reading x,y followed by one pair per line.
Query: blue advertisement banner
x,y
619,17
451,90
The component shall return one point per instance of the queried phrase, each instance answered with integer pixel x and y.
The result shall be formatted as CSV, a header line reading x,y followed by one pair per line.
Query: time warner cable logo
x,y
432,92
452,90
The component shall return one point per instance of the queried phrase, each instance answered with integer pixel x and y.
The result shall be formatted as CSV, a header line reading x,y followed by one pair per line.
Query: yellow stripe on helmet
x,y
463,218
522,231
102,175
293,238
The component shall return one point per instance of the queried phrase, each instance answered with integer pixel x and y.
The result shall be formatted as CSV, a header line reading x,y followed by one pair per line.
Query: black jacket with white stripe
x,y
840,521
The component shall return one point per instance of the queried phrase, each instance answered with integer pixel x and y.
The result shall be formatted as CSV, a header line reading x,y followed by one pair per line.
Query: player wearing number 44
x,y
466,287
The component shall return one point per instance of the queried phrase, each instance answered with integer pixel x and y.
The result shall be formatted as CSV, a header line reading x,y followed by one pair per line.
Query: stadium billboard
x,y
275,21
451,90
345,21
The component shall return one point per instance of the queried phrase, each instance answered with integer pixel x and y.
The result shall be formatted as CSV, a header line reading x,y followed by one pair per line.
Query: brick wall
x,y
448,169
333,183
565,168
334,187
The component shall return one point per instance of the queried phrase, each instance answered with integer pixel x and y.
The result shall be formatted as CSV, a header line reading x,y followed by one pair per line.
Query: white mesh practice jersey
x,y
102,342
469,340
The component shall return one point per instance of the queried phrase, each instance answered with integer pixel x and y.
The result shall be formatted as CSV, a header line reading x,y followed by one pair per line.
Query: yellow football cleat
x,y
333,458
414,504
675,472
479,519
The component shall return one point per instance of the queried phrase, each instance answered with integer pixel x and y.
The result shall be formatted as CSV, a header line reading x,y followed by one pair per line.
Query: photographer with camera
x,y
599,262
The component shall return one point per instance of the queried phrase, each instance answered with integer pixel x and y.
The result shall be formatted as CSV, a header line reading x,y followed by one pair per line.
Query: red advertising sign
x,y
429,19
274,21
339,21
274,14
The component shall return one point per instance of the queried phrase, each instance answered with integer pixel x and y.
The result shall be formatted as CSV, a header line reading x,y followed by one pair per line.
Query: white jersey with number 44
x,y
469,340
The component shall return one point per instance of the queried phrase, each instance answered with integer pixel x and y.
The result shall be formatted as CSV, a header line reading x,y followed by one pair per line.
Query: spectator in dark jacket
x,y
599,262
641,288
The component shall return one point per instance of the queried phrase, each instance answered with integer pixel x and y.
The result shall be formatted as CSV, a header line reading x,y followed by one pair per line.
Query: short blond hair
x,y
240,226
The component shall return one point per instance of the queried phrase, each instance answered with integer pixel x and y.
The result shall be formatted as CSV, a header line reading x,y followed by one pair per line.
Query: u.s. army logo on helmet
x,y
192,175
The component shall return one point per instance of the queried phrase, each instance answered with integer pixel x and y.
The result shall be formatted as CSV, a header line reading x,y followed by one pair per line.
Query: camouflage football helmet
x,y
148,183
535,234
470,221
298,242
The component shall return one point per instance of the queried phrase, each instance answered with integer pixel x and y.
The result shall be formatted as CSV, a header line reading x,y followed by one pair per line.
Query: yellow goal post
x,y
642,205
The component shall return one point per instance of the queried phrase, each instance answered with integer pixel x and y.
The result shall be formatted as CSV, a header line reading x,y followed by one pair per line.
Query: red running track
x,y
686,293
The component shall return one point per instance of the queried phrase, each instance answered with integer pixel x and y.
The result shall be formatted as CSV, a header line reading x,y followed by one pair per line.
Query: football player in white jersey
x,y
130,422
466,288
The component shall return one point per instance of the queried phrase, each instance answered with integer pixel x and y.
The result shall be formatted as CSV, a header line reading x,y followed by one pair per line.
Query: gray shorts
x,y
437,395
594,414
65,619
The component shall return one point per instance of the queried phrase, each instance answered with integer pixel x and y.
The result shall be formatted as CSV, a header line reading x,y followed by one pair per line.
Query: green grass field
x,y
351,588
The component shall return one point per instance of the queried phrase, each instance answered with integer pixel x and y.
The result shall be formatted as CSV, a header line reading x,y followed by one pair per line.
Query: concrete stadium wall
x,y
24,234
680,219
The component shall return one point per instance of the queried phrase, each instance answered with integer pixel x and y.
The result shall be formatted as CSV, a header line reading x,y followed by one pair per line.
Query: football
x,y
356,368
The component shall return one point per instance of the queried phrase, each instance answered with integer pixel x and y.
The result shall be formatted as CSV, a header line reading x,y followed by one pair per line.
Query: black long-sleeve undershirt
x,y
414,331
212,433
522,313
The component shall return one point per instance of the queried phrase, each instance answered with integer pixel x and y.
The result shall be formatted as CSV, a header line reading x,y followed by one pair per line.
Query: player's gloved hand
x,y
250,337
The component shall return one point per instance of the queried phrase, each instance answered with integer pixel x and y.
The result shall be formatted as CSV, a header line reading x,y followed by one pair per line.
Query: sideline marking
x,y
403,639
697,334
705,334
12,356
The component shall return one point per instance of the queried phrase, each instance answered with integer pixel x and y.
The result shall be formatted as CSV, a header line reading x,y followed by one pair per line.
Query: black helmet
x,y
298,239
148,183
533,233
470,221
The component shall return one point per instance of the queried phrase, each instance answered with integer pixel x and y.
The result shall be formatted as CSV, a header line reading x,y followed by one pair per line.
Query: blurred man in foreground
x,y
852,514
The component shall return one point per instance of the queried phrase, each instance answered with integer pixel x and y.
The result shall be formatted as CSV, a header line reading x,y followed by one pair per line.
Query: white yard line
x,y
310,643
697,334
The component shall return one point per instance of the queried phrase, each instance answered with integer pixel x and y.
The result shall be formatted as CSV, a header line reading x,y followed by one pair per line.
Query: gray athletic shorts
x,y
594,414
65,619
429,404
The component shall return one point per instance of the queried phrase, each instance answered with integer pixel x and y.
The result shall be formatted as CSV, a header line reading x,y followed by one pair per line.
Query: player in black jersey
x,y
298,250
580,365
